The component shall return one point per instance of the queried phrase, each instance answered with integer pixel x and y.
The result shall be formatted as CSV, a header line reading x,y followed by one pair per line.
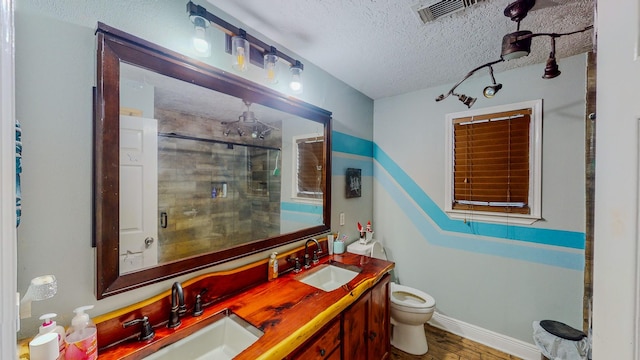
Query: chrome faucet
x,y
307,261
178,307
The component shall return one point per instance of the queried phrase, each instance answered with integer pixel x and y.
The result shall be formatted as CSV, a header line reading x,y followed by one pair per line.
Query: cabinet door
x,y
379,327
322,345
354,328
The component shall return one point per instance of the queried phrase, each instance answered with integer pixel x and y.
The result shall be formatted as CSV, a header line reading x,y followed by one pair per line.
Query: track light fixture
x,y
244,47
514,45
248,123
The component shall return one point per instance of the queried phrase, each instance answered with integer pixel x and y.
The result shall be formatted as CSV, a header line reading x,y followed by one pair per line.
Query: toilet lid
x,y
377,251
410,297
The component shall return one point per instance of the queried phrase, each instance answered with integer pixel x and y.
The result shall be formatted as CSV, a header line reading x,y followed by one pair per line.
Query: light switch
x,y
341,218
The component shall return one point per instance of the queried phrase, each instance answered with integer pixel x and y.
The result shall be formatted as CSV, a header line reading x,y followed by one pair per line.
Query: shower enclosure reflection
x,y
218,173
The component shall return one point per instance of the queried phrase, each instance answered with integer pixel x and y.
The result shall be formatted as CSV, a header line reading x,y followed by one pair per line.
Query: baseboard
x,y
486,337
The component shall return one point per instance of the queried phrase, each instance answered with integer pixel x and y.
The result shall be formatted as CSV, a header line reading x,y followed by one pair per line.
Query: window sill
x,y
501,218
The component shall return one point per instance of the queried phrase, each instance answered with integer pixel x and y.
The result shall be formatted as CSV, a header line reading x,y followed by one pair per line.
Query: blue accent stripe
x,y
569,239
301,218
301,207
477,244
349,144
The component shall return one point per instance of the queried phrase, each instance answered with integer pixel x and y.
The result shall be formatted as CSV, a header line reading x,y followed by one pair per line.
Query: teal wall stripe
x,y
301,218
349,144
301,207
569,259
569,239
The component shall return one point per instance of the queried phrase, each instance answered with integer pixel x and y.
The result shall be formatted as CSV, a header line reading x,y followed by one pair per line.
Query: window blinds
x,y
491,162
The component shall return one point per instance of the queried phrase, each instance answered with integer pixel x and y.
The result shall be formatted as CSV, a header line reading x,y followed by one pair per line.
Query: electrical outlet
x,y
341,218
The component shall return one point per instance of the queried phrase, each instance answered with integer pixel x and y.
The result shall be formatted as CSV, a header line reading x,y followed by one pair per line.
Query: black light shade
x,y
551,70
513,48
467,100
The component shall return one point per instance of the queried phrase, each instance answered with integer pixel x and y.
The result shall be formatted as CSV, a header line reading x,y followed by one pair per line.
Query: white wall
x,y
615,300
55,72
494,279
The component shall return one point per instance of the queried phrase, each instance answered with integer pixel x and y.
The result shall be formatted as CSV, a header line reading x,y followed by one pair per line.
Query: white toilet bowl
x,y
410,310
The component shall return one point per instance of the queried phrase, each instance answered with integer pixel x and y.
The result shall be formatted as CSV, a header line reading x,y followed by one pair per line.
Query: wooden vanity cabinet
x,y
365,325
325,345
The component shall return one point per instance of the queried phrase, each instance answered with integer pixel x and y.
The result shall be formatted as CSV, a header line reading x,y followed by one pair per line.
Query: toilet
x,y
410,309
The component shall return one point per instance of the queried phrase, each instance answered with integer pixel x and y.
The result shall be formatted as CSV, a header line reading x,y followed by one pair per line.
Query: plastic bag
x,y
557,348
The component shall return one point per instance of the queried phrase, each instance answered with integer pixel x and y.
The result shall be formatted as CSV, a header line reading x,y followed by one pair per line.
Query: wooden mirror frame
x,y
115,46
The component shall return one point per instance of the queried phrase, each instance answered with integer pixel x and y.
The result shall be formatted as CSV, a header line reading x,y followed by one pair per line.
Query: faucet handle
x,y
307,261
146,333
197,308
297,267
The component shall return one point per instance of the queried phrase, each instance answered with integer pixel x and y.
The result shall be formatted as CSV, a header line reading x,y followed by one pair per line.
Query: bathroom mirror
x,y
195,166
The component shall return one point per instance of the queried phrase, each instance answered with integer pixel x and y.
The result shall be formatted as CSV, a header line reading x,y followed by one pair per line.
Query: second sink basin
x,y
328,277
225,338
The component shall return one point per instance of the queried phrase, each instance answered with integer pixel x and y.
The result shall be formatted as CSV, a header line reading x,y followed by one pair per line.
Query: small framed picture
x,y
354,183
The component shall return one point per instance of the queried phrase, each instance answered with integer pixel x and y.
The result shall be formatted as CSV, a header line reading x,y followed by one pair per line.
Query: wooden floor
x,y
447,346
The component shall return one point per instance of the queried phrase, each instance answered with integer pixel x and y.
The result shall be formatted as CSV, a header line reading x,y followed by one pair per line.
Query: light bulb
x,y
200,42
270,62
296,77
240,48
240,58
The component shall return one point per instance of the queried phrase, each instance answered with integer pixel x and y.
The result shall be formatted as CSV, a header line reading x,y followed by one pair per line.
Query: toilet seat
x,y
411,300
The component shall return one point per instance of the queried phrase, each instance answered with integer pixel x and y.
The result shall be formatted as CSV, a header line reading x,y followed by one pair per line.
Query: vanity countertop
x,y
288,311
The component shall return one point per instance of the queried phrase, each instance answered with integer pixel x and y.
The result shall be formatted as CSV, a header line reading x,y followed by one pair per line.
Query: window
x,y
309,160
494,163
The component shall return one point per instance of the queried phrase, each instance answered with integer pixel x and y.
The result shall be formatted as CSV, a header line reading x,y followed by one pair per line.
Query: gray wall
x,y
55,72
488,278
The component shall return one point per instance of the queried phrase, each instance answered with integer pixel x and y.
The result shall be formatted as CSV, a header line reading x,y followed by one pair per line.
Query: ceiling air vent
x,y
428,11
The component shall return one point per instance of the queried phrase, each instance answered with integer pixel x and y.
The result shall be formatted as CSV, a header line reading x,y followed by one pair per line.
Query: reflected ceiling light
x,y
200,39
248,122
270,68
264,133
514,45
247,115
296,77
246,49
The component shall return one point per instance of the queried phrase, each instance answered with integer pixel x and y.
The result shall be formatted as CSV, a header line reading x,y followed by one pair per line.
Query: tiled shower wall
x,y
200,219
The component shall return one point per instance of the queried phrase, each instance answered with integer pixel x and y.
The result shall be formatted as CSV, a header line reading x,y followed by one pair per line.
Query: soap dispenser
x,y
273,267
50,326
82,337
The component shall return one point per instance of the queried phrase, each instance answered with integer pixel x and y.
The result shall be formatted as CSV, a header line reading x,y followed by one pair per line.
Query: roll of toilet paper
x,y
44,347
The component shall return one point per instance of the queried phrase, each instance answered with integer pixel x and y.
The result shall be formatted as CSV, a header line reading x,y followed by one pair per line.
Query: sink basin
x,y
225,338
328,277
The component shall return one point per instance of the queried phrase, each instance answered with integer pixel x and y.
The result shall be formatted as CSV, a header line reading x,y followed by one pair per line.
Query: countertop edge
x,y
304,333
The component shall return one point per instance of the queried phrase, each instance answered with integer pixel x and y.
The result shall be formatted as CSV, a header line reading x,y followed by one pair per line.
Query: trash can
x,y
558,341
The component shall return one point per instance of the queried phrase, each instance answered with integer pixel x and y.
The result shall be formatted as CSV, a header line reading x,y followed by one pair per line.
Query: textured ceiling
x,y
381,48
